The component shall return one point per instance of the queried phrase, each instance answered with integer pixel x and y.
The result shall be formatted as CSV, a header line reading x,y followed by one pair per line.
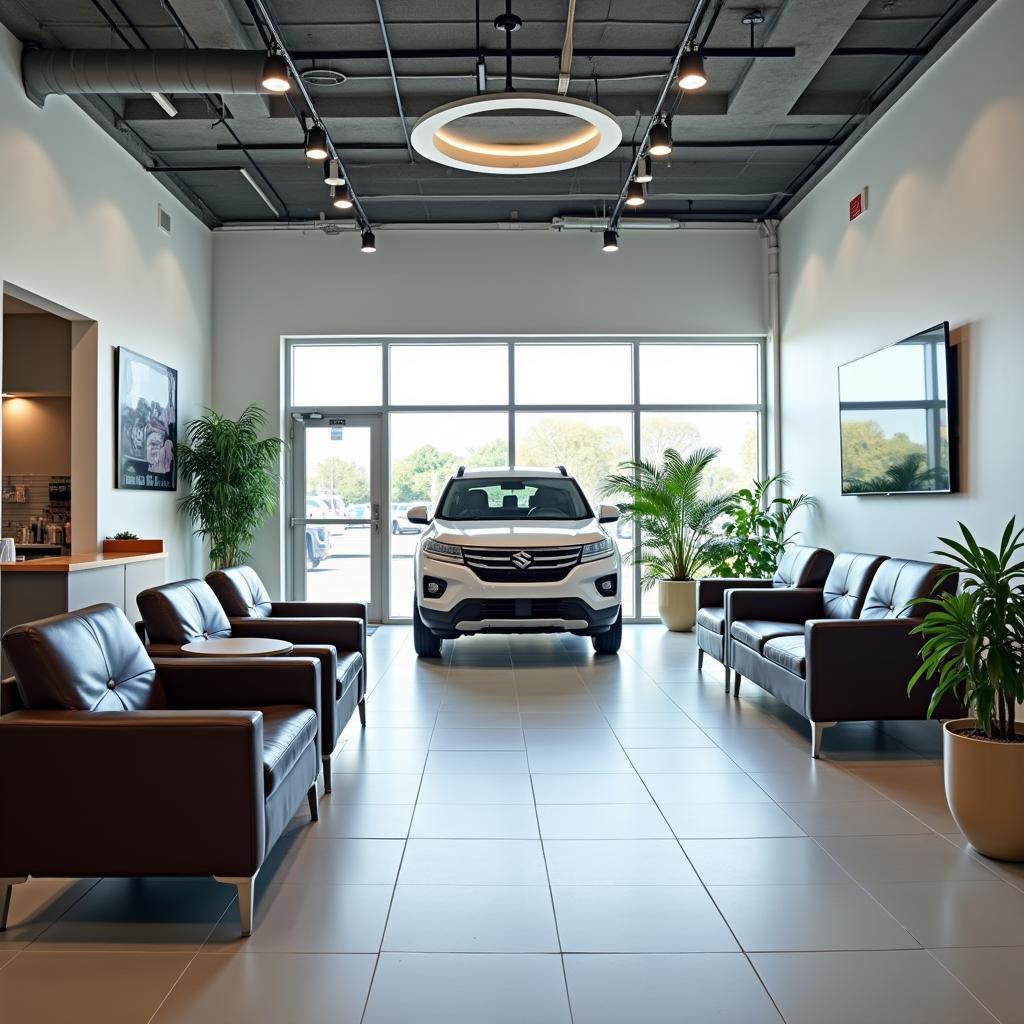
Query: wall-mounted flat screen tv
x,y
898,418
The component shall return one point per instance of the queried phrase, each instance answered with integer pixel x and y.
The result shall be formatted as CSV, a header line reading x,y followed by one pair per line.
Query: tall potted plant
x,y
675,539
231,471
758,527
972,648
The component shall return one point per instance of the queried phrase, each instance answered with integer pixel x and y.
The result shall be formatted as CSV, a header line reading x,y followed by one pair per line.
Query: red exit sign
x,y
858,204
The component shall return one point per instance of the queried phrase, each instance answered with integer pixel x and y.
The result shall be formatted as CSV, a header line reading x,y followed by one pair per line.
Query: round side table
x,y
238,647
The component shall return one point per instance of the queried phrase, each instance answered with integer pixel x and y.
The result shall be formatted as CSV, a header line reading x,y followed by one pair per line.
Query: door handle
x,y
375,514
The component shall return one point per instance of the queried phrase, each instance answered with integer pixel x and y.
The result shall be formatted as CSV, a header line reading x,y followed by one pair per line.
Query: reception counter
x,y
41,587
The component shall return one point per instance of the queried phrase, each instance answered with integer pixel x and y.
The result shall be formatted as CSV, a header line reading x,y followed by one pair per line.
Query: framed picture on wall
x,y
147,423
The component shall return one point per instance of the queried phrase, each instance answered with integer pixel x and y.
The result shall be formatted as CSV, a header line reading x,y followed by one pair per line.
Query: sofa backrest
x,y
179,613
802,566
240,592
85,660
897,582
848,583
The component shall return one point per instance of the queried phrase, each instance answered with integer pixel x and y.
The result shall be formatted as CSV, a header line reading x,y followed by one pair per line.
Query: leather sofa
x,y
179,613
844,653
115,765
799,566
244,599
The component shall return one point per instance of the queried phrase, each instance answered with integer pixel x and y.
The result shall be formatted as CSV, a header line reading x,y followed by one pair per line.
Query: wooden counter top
x,y
75,563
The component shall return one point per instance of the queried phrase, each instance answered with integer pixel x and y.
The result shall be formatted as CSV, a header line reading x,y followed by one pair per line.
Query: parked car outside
x,y
399,520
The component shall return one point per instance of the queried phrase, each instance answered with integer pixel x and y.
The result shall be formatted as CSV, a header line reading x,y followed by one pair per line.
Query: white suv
x,y
515,551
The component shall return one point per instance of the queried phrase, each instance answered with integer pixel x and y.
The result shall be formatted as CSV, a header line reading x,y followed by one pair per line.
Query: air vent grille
x,y
163,219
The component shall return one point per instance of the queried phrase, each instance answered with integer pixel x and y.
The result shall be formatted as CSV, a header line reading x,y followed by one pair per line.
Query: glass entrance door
x,y
337,540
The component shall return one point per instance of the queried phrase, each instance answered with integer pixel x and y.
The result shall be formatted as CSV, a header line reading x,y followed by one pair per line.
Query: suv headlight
x,y
444,552
599,549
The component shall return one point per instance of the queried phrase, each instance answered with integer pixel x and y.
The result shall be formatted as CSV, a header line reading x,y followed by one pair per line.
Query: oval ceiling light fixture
x,y
598,136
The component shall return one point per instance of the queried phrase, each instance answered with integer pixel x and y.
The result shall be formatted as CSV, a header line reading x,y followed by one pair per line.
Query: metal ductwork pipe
x,y
67,72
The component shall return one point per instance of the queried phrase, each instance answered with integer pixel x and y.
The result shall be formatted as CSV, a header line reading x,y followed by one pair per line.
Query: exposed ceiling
x,y
743,145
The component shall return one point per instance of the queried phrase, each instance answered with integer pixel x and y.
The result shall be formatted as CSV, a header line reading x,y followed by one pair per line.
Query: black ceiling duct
x,y
67,72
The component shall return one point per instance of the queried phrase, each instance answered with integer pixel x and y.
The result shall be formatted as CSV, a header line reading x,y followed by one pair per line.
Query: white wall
x,y
78,227
943,239
273,284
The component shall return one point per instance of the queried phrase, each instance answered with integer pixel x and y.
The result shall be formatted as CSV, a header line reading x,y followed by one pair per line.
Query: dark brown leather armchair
x,y
116,765
800,566
179,613
844,653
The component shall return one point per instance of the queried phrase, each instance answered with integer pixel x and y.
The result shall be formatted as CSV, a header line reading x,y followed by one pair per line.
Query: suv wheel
x,y
610,641
423,640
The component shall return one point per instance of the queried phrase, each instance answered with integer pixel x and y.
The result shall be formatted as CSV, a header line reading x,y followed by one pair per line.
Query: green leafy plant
x,y
231,471
126,535
757,527
972,645
674,523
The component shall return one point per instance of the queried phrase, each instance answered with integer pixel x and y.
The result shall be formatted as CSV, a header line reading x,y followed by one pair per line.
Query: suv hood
x,y
538,534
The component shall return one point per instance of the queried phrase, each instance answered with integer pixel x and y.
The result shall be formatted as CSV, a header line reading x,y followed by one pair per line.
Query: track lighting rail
x,y
271,27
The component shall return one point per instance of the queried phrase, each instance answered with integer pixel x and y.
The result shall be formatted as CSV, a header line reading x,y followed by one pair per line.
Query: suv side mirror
x,y
418,514
608,514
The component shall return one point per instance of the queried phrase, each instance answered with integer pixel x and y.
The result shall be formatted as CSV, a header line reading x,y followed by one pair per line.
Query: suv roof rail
x,y
461,470
562,470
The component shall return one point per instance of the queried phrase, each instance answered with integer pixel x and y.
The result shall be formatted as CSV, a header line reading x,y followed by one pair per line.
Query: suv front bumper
x,y
519,615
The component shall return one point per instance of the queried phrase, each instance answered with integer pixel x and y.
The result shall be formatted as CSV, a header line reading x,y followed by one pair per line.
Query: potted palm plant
x,y
972,648
231,470
675,539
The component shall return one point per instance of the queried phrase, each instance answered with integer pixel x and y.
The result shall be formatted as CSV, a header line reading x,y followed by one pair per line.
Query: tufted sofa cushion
x,y
802,566
898,582
87,660
241,592
180,613
848,582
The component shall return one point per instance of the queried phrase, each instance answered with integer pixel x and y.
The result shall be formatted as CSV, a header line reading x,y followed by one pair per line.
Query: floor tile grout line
x,y
969,991
398,872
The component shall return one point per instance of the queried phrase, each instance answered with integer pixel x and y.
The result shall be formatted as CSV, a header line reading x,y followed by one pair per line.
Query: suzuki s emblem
x,y
522,560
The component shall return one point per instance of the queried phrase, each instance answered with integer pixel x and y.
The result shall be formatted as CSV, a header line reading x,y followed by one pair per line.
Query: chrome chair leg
x,y
246,898
6,888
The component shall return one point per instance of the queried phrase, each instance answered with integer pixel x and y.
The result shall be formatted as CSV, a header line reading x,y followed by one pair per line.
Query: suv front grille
x,y
522,565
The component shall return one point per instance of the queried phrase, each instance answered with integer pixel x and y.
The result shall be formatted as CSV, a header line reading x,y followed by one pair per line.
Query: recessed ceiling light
x,y
275,73
691,71
611,241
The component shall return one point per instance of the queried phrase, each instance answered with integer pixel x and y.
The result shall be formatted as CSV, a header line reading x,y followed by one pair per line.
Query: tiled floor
x,y
525,833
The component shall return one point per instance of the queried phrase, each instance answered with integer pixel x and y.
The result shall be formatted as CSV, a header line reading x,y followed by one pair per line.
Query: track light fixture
x,y
611,241
369,243
341,197
635,194
332,173
316,143
691,71
275,73
643,171
661,137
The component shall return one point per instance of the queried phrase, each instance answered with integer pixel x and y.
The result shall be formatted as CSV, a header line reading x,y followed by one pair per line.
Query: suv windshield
x,y
521,498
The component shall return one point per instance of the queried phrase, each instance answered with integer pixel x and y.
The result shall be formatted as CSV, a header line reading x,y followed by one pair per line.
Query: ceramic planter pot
x,y
677,604
985,789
